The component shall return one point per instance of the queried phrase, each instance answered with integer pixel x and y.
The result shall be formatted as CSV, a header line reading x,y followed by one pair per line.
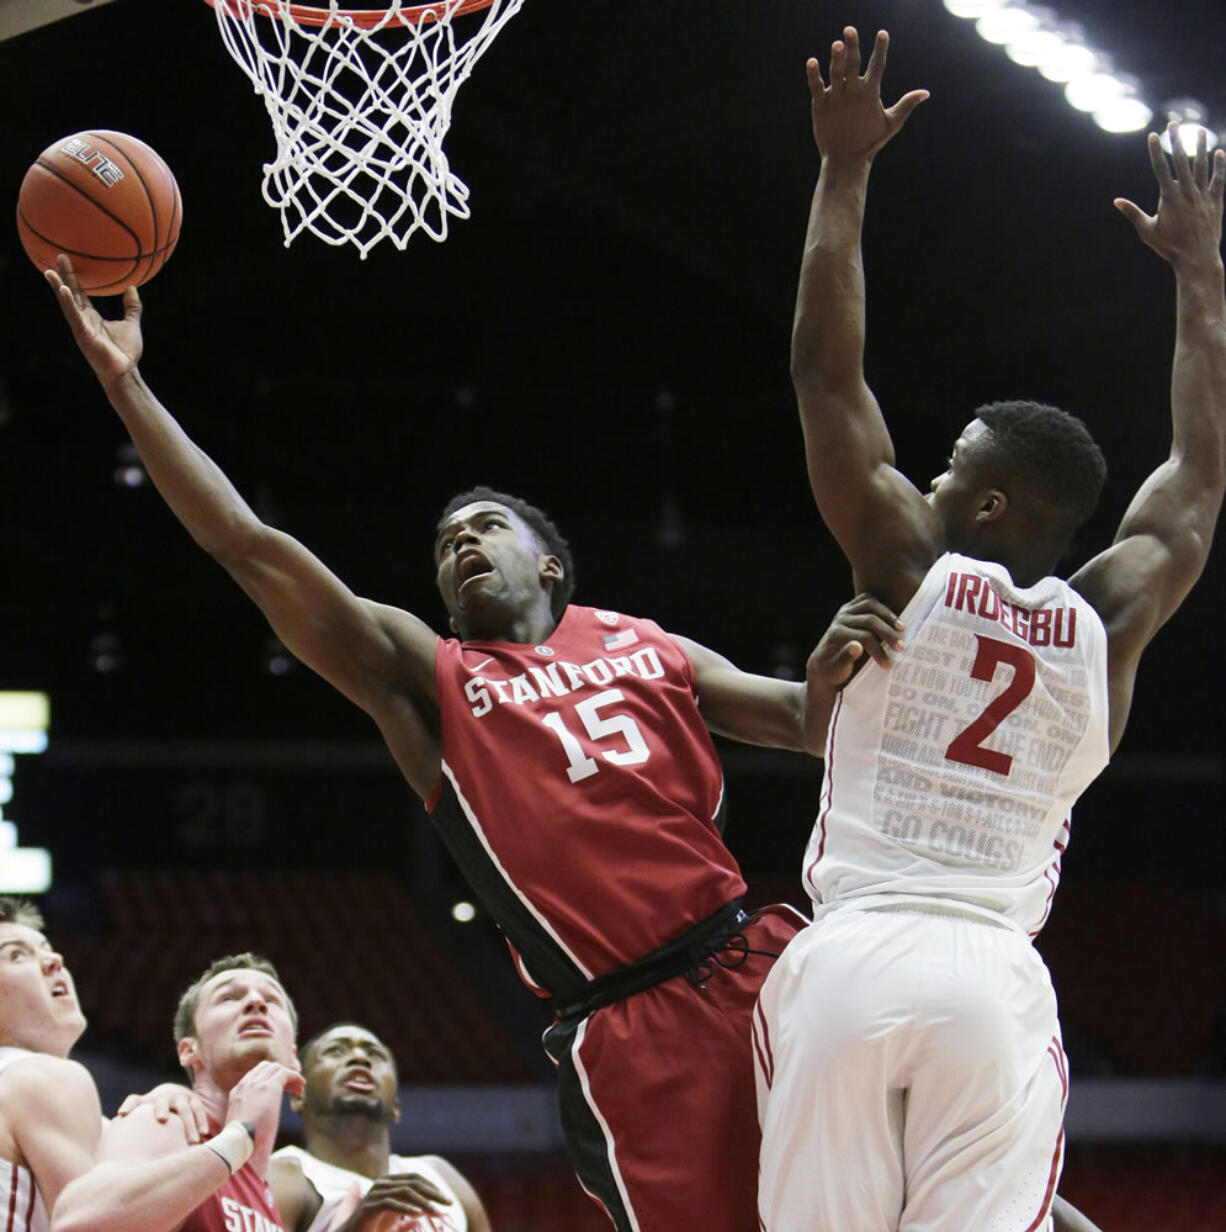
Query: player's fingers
x,y
851,37
883,631
409,1183
1219,174
876,61
1157,160
129,1105
1184,173
131,304
161,1109
866,604
63,263
1135,215
901,111
813,71
838,64
1201,165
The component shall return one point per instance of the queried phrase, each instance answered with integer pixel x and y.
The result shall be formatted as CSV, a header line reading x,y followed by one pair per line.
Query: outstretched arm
x,y
786,714
1164,538
379,657
878,517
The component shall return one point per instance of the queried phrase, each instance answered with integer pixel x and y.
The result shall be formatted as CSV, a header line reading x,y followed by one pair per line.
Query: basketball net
x,y
360,102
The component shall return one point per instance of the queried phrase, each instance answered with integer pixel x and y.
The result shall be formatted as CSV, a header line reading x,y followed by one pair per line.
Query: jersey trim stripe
x,y
496,866
762,1045
14,1181
1060,845
611,1152
828,788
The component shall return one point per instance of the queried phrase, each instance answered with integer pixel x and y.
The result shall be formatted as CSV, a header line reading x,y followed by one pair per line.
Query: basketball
x,y
108,201
394,1221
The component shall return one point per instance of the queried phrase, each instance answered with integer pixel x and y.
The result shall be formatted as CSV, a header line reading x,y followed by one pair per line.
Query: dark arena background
x,y
607,335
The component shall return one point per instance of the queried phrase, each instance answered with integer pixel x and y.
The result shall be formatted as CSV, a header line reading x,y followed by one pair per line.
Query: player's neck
x,y
527,628
352,1142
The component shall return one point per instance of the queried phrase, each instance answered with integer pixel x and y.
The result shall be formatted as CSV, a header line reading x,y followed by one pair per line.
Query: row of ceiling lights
x,y
1035,37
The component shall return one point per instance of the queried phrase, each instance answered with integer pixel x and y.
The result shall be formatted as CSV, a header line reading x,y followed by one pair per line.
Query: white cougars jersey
x,y
21,1205
951,775
334,1184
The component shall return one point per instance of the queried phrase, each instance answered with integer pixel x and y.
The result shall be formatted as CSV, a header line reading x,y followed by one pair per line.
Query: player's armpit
x,y
1135,586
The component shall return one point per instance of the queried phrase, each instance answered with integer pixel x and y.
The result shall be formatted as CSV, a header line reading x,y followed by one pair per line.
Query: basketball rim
x,y
365,19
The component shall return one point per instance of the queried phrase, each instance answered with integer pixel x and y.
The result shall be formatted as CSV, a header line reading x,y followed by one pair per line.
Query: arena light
x,y
1036,36
971,9
1004,25
1124,115
1071,60
24,718
1095,92
25,870
463,912
1191,115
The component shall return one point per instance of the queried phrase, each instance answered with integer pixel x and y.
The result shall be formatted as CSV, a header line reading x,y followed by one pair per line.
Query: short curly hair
x,y
541,525
1051,452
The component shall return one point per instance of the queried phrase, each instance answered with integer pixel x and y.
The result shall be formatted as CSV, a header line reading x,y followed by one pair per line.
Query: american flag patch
x,y
619,641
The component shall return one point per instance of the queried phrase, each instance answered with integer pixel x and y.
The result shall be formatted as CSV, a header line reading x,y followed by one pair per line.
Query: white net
x,y
360,103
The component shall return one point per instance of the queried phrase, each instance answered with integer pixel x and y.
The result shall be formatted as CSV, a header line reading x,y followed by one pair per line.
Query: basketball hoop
x,y
360,101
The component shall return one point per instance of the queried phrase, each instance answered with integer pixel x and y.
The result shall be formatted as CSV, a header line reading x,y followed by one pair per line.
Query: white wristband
x,y
233,1145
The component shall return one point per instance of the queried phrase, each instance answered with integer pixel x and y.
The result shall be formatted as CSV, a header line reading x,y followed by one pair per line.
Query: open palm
x,y
112,347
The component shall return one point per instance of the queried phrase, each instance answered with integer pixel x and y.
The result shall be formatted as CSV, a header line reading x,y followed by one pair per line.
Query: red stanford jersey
x,y
243,1204
581,794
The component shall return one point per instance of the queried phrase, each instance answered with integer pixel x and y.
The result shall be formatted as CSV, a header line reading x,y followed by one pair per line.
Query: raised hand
x,y
112,347
1187,226
849,121
256,1098
863,625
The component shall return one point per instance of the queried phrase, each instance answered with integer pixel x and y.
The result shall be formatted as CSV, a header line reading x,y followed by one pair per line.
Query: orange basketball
x,y
108,201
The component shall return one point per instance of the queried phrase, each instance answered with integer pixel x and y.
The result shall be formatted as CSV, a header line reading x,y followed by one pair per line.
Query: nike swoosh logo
x,y
478,666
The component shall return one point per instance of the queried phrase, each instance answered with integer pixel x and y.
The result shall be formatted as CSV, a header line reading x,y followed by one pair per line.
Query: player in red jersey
x,y
51,1121
914,1012
564,755
235,1029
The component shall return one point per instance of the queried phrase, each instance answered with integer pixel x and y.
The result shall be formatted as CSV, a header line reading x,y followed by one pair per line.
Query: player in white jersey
x,y
50,1117
348,1169
910,1068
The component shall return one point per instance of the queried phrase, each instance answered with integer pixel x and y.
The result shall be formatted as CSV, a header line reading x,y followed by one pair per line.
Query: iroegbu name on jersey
x,y
559,679
1043,626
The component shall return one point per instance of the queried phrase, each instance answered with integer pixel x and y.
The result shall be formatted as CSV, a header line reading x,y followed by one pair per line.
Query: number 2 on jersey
x,y
588,712
967,746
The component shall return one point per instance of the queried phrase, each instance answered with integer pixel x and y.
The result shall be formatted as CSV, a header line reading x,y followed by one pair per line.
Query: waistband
x,y
693,953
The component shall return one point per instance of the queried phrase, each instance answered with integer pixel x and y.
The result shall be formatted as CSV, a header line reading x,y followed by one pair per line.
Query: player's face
x,y
38,1002
955,493
350,1071
489,566
242,1018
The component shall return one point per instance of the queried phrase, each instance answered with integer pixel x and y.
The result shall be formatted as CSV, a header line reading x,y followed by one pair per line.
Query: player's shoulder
x,y
39,1076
